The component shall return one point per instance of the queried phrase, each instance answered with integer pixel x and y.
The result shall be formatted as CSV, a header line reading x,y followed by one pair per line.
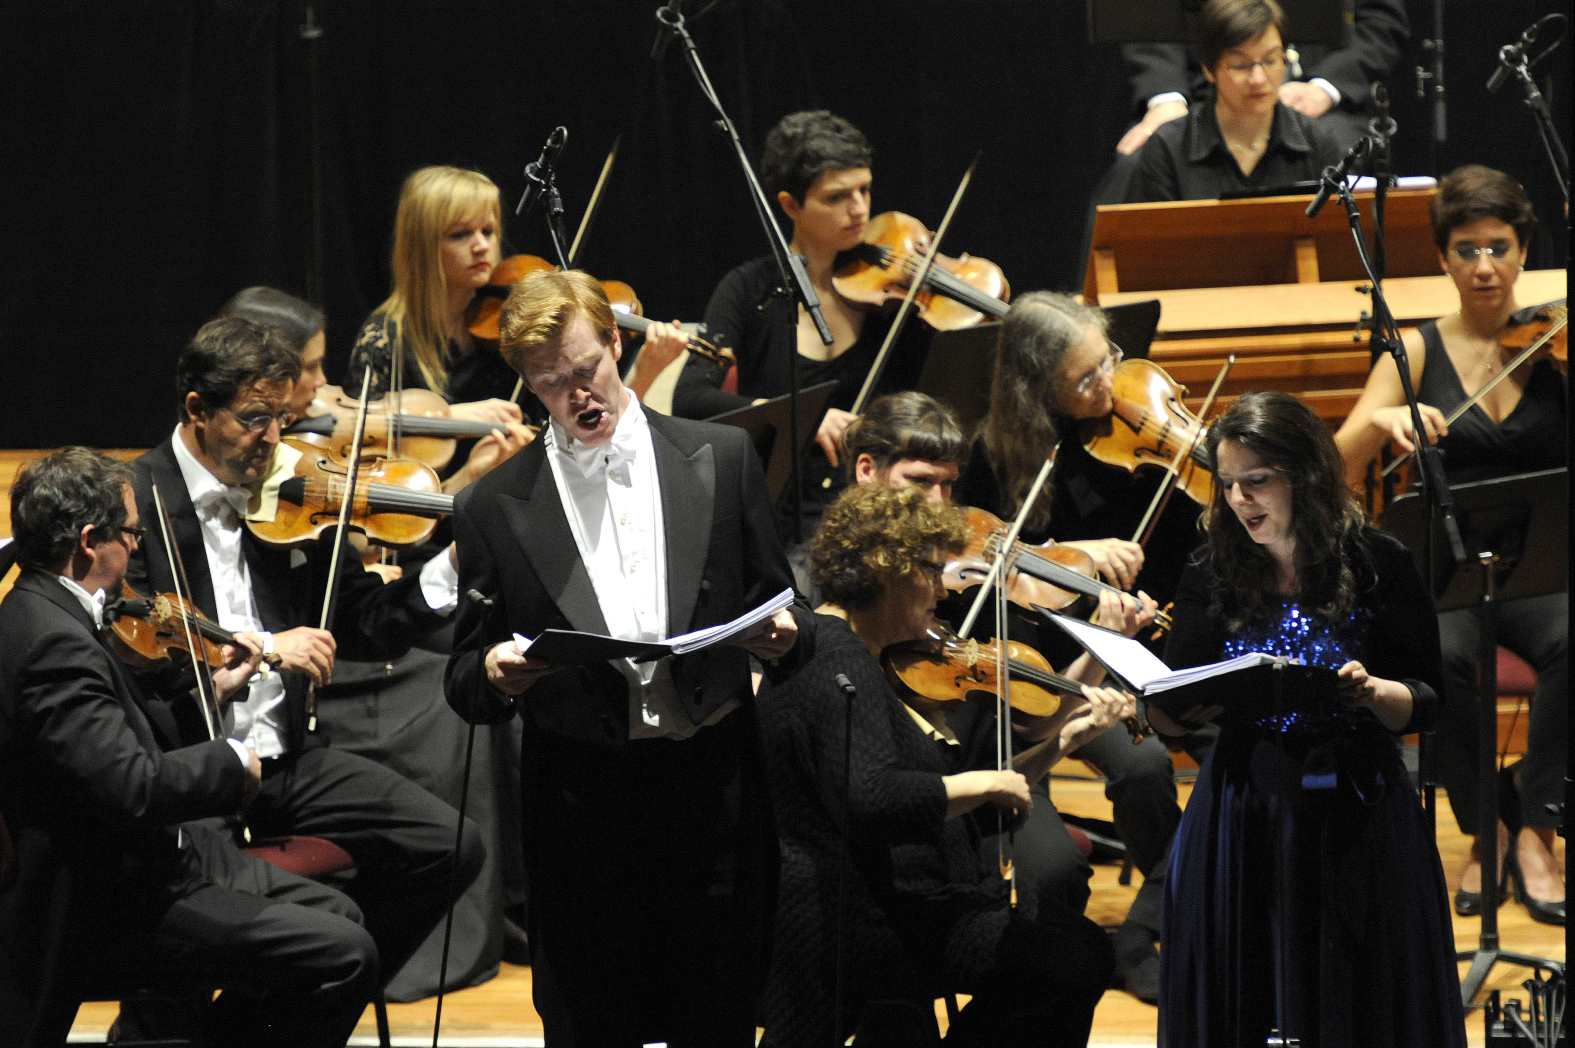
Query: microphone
x,y
846,686
1336,175
668,17
475,596
1513,56
541,170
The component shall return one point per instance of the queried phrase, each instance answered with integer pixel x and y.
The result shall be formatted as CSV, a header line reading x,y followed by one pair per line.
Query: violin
x,y
417,419
1544,326
1151,426
944,667
957,293
150,629
487,307
397,501
1543,331
1047,576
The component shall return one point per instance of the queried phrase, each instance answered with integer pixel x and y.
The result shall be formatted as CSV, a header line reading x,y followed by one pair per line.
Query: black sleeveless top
x,y
1530,438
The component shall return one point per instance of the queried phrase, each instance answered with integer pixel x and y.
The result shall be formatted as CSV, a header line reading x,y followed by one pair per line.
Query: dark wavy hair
x,y
54,497
898,426
1326,519
872,535
803,146
1475,192
228,354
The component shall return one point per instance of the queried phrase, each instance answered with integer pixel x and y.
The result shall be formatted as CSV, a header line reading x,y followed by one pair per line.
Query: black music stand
x,y
765,422
1519,526
1176,21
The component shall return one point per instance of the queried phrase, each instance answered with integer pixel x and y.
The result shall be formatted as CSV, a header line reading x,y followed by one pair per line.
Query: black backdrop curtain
x,y
155,157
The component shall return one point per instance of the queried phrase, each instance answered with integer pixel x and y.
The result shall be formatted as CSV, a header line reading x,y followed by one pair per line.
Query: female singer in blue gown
x,y
1305,892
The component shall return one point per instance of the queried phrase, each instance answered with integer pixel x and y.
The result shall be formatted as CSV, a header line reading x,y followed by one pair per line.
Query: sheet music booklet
x,y
1256,683
572,647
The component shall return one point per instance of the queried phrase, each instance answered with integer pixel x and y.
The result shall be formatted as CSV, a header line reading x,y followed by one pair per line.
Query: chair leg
x,y
380,1009
951,1009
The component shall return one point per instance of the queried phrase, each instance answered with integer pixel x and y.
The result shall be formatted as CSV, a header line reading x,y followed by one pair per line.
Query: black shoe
x,y
1137,962
1469,904
1546,912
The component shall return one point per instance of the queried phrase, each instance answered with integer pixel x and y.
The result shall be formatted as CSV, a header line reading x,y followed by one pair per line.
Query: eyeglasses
x,y
1243,70
1086,384
1469,251
258,421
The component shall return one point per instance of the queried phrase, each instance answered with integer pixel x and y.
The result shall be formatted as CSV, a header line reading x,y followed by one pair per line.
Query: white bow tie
x,y
214,501
596,459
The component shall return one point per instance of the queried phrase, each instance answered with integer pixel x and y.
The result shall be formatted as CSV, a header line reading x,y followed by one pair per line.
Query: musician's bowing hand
x,y
511,672
1117,559
829,435
241,660
307,649
1395,422
772,638
967,790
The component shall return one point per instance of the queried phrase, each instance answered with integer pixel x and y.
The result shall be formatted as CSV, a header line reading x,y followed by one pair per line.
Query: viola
x,y
957,293
487,307
151,629
416,421
1047,576
396,502
1151,426
944,667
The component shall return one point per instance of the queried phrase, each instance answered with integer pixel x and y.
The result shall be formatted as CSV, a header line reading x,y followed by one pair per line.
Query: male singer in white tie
x,y
645,836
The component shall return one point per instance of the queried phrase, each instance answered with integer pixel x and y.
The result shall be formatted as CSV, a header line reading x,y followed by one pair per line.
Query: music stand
x,y
1520,527
1176,21
765,421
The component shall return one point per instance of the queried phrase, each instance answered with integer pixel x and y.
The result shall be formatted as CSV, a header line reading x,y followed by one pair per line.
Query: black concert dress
x,y
927,912
1303,872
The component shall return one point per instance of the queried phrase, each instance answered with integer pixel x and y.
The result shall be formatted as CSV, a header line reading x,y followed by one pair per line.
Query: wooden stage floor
x,y
499,1013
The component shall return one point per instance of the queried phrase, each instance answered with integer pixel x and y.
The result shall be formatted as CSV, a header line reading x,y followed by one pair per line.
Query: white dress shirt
x,y
612,497
259,718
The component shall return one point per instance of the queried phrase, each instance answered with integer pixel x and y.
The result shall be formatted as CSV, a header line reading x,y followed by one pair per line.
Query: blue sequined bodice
x,y
1308,639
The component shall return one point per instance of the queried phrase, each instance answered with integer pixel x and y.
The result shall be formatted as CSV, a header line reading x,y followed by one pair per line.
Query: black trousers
x,y
1536,629
647,868
1140,784
400,836
297,966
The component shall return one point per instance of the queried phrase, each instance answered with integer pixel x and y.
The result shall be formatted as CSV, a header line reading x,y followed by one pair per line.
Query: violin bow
x,y
1008,547
336,561
1491,384
198,653
592,205
1156,506
920,277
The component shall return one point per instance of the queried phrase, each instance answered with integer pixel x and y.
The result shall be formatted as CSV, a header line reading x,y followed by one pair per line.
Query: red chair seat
x,y
305,856
1515,676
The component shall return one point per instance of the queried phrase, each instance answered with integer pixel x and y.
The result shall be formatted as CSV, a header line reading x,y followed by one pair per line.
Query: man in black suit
x,y
89,767
1332,85
235,380
645,833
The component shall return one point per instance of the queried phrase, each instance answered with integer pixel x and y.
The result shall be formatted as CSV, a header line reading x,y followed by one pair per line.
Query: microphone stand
x,y
839,994
1435,489
1512,59
792,279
